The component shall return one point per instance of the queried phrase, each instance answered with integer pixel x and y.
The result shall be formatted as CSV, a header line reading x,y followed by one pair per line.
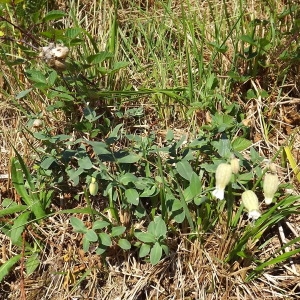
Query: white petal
x,y
218,193
254,214
268,200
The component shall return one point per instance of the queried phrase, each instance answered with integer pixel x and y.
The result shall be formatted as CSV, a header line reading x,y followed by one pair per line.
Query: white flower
x,y
270,187
223,176
250,201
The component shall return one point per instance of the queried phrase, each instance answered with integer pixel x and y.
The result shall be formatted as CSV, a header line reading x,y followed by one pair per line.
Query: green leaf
x,y
18,169
251,94
78,225
52,77
85,163
132,196
187,194
100,224
144,250
32,262
18,227
127,178
124,244
119,65
145,237
129,159
158,227
240,144
150,192
73,32
36,76
155,253
247,39
85,244
23,94
98,57
47,162
278,259
54,15
100,148
224,148
178,216
195,185
74,175
91,236
100,250
165,249
12,210
105,239
118,230
245,177
5,268
184,169
115,132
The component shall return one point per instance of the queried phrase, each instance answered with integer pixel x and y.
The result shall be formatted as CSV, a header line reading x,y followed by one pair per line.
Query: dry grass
x,y
194,270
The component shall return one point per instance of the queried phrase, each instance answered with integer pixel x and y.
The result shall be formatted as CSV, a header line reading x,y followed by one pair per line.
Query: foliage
x,y
89,150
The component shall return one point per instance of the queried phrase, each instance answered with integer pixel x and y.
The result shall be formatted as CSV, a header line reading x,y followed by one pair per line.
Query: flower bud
x,y
272,168
270,186
250,201
235,165
93,187
37,123
223,176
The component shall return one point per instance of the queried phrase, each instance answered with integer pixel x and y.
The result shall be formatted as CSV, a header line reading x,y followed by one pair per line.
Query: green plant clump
x,y
91,136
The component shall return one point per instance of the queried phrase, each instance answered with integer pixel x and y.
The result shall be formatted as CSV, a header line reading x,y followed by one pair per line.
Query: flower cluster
x,y
249,199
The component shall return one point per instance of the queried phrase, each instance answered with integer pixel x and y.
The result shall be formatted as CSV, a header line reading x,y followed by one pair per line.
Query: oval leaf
x,y
100,224
32,262
240,144
91,235
132,196
155,253
145,237
184,169
118,230
124,244
129,159
144,250
54,15
78,225
105,239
